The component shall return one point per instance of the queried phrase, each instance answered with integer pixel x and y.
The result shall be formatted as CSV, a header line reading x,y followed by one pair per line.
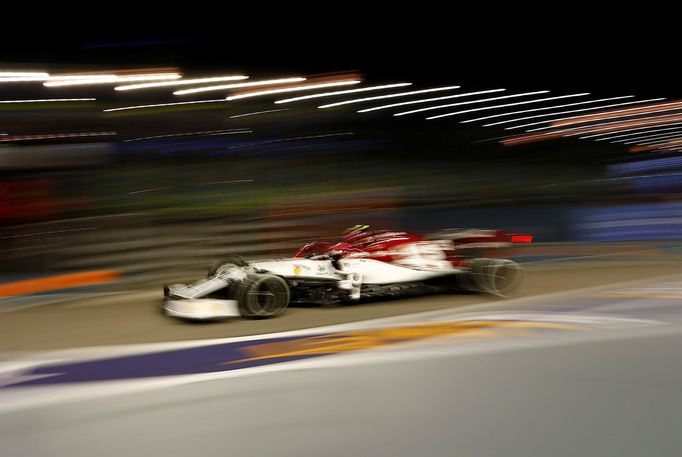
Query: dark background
x,y
553,45
565,48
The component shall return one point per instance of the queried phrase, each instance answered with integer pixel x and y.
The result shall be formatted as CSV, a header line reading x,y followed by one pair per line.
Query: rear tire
x,y
501,277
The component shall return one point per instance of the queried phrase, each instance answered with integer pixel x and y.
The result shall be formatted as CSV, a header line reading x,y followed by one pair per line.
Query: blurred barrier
x,y
27,200
58,282
55,155
651,221
143,247
137,246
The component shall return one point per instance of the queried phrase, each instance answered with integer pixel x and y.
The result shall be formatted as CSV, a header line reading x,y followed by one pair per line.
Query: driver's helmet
x,y
355,231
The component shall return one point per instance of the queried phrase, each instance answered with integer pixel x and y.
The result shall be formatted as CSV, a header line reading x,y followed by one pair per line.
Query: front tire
x,y
262,296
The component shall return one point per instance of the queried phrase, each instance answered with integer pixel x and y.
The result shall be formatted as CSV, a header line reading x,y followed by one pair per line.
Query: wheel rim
x,y
506,278
266,297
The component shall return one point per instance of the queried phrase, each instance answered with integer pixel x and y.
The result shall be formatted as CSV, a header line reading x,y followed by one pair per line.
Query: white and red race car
x,y
365,264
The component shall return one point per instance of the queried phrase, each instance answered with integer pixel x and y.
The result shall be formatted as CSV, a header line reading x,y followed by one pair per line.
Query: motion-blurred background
x,y
96,174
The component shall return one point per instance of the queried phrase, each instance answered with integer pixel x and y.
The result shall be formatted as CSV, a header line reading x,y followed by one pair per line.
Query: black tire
x,y
232,259
501,277
262,296
162,302
508,279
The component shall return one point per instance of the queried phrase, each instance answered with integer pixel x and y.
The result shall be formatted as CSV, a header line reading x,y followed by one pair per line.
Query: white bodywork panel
x,y
201,308
377,272
371,271
303,268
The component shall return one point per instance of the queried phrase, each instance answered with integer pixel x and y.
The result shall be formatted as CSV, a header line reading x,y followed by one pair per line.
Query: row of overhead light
x,y
82,79
547,121
643,128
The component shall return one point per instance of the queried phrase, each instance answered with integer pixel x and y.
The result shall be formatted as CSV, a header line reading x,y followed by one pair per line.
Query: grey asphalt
x,y
602,390
608,398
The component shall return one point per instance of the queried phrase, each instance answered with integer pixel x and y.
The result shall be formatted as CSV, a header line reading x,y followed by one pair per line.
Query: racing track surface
x,y
590,371
132,315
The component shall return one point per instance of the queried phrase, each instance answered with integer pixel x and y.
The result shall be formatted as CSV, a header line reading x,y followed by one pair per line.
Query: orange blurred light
x,y
654,147
653,108
530,138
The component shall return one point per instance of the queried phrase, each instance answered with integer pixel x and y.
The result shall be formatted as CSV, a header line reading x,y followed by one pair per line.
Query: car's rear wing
x,y
481,238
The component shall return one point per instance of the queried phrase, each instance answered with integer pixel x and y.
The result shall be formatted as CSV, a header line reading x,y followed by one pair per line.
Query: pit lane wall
x,y
135,245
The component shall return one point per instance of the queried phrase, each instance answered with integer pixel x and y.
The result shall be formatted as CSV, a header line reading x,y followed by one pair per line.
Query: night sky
x,y
559,47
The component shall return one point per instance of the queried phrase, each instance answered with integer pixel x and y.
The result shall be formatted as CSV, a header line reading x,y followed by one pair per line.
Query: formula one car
x,y
365,264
